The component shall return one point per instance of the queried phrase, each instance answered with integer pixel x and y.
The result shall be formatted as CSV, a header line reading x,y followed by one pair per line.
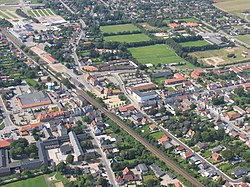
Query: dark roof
x,y
157,170
142,167
240,171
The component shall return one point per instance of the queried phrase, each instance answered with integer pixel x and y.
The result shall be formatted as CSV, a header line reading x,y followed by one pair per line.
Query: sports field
x,y
41,12
235,7
155,54
36,181
119,28
194,43
128,38
244,38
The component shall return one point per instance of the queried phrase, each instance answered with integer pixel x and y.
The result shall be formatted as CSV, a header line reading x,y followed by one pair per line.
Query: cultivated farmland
x,y
119,28
128,38
235,7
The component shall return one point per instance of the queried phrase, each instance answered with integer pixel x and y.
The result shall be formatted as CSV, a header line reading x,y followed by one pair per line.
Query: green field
x,y
119,28
244,38
235,7
189,20
155,54
41,12
128,38
194,43
8,1
36,181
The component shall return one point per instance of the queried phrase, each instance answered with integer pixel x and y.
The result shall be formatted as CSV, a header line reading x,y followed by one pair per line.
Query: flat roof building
x,y
33,100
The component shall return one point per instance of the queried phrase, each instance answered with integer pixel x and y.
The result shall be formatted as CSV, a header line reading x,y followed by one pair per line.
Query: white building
x,y
144,96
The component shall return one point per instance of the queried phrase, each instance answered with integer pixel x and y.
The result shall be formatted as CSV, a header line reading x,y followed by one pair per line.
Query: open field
x,y
128,38
119,28
219,57
150,28
194,43
36,181
8,1
155,54
235,7
244,38
41,12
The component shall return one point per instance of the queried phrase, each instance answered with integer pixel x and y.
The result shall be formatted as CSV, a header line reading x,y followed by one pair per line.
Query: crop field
x,y
219,57
244,38
36,181
119,28
41,12
128,38
235,7
194,43
155,54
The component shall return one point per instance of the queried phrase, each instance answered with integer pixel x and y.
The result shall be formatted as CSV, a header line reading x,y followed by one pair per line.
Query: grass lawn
x,y
146,129
36,181
194,43
157,135
59,178
155,54
119,28
244,38
31,13
31,82
159,81
3,15
128,38
8,1
1,124
225,166
222,54
207,153
150,28
189,20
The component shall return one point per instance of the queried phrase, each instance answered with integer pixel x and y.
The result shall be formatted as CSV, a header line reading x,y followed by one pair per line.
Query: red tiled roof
x,y
5,143
90,68
163,139
196,73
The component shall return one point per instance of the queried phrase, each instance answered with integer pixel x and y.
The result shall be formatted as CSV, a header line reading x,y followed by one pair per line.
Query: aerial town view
x,y
113,93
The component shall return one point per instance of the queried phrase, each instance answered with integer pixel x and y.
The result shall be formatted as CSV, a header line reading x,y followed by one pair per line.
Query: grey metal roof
x,y
35,97
75,143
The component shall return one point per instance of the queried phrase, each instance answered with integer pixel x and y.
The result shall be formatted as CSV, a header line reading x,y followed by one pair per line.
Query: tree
x,y
102,181
227,154
70,159
61,167
44,169
87,144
